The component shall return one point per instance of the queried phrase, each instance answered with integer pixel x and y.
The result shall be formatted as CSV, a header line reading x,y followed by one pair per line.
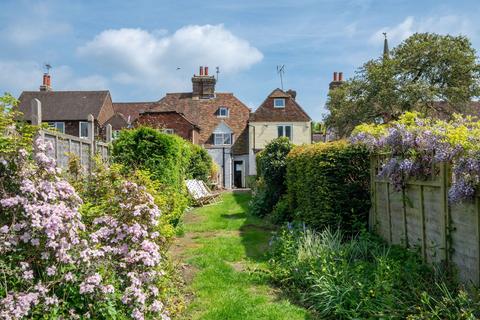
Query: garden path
x,y
222,255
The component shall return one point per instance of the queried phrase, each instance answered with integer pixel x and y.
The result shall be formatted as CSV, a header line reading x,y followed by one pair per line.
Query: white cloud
x,y
150,59
17,76
449,24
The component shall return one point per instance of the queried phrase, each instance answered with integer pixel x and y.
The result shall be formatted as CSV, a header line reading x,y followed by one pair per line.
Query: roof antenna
x,y
47,67
217,72
281,71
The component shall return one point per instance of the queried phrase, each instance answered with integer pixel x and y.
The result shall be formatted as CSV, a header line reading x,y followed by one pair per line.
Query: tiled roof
x,y
203,114
268,113
131,109
68,105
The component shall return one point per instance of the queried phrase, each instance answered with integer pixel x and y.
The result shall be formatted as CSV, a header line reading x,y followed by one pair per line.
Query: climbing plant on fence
x,y
424,188
328,184
417,144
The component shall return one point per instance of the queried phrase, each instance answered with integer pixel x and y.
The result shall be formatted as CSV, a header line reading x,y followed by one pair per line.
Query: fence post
x,y
91,138
36,110
108,133
36,107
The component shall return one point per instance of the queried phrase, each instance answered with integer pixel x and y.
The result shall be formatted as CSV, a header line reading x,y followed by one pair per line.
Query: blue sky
x,y
133,48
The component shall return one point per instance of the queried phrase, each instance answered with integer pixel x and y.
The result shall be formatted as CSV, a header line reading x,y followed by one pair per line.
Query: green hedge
x,y
328,185
169,158
200,166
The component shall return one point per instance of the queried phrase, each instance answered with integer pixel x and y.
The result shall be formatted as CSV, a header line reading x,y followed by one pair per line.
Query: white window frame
x,y
168,131
80,129
283,126
222,137
279,106
55,125
220,115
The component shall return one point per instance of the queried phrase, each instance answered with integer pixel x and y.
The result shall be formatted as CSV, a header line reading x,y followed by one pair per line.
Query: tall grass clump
x,y
361,278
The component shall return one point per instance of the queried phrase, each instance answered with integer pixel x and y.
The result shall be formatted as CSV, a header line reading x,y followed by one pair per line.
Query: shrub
x,y
271,169
14,135
165,156
361,278
58,265
328,185
98,187
281,211
201,164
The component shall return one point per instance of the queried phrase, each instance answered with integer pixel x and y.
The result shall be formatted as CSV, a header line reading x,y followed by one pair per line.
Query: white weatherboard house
x,y
279,115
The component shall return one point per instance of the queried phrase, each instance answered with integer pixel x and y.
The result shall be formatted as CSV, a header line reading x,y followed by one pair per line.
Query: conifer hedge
x,y
328,185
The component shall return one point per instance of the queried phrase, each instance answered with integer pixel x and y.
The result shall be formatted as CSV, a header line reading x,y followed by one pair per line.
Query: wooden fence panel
x,y
421,217
465,240
63,145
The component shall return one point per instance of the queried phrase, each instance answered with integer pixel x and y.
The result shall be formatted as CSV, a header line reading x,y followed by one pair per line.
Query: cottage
x,y
279,115
215,120
67,111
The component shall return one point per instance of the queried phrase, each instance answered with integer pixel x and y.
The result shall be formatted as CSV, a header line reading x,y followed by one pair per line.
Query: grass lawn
x,y
221,249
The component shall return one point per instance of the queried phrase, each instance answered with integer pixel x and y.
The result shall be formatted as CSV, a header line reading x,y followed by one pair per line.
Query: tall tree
x,y
435,74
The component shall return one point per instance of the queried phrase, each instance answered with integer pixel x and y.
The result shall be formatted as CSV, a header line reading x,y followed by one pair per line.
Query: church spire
x,y
385,46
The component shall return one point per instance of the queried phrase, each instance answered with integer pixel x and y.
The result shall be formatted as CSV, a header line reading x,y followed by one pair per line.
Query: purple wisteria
x,y
415,146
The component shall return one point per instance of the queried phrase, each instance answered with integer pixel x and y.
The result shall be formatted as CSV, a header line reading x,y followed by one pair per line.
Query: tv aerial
x,y
281,72
47,67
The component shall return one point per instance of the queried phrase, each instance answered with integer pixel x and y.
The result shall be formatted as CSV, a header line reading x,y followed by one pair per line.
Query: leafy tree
x,y
430,73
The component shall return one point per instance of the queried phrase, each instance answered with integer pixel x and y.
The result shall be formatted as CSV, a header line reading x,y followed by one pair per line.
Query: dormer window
x,y
279,103
223,112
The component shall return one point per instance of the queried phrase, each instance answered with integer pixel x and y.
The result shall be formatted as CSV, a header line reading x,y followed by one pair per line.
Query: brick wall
x,y
169,120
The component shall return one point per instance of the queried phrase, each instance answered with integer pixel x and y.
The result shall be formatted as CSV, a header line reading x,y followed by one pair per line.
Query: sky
x,y
141,49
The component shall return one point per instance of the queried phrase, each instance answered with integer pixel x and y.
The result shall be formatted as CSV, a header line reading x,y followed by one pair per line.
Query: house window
x,y
84,129
222,138
59,126
285,131
115,134
223,112
279,103
169,131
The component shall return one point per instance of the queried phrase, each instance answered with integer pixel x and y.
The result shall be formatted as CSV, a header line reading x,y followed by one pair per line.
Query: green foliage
x,y
281,211
98,190
361,278
14,134
424,69
165,156
328,185
271,170
201,164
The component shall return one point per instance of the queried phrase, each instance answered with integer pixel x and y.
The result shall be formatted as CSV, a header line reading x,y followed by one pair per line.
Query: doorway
x,y
238,173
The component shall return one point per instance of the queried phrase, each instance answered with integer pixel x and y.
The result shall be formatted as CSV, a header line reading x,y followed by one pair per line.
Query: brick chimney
x,y
203,85
337,80
292,93
46,85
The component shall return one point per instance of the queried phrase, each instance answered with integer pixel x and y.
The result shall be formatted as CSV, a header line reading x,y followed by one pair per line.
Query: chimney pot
x,y
206,71
335,76
340,76
201,70
46,83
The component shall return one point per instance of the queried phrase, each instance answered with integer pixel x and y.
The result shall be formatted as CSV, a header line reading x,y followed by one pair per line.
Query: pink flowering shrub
x,y
53,265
